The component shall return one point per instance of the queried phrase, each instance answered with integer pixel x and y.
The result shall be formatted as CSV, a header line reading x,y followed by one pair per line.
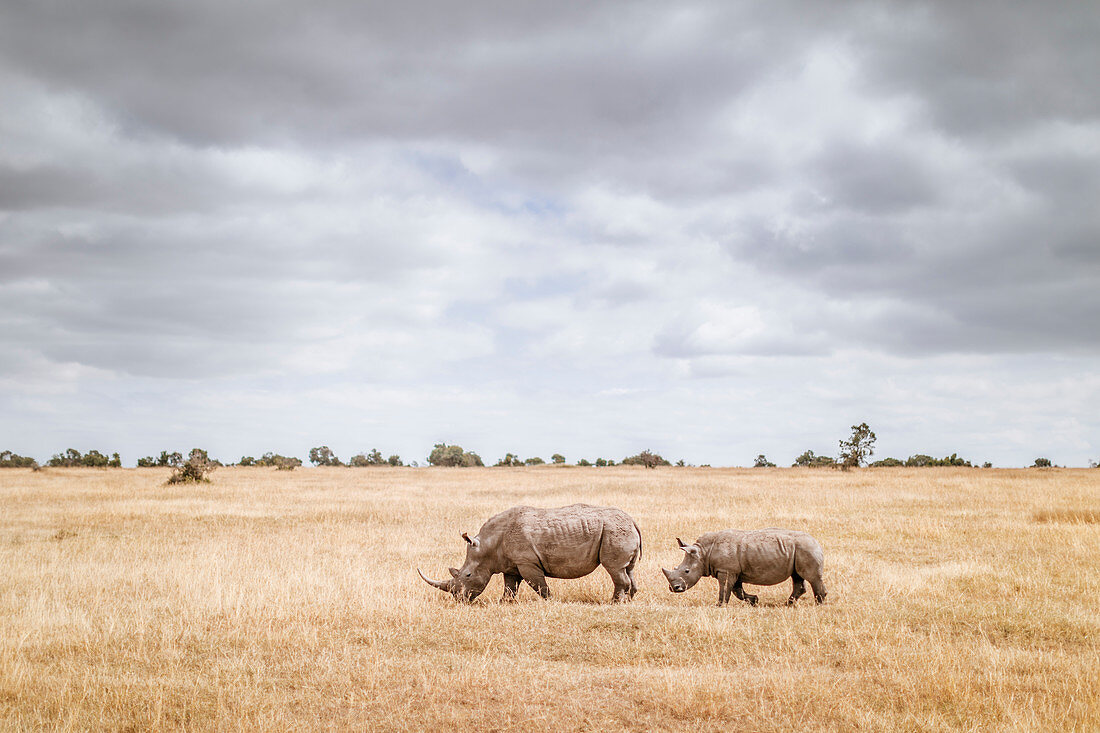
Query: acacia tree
x,y
323,456
858,448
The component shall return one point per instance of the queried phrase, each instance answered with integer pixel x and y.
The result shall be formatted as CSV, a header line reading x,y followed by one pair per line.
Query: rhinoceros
x,y
533,544
758,557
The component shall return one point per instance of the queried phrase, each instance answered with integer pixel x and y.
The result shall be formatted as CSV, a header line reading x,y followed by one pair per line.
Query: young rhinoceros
x,y
533,544
757,557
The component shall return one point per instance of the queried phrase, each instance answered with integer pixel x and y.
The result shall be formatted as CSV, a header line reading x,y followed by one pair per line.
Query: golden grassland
x,y
959,599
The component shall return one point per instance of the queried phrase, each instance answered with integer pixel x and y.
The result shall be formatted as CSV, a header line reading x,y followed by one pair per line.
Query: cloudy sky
x,y
709,229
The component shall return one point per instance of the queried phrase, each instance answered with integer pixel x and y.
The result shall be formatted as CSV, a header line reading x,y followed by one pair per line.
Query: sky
x,y
712,230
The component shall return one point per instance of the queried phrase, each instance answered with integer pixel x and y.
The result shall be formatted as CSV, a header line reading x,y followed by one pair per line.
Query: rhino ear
x,y
454,572
680,542
467,538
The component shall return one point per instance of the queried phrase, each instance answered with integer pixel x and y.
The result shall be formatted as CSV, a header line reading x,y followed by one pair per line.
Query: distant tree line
x,y
92,459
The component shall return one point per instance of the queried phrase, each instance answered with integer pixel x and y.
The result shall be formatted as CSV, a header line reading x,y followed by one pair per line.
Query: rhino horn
x,y
444,585
668,573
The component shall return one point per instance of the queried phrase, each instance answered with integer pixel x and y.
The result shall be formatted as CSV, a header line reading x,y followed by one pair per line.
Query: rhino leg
x,y
511,586
819,590
742,595
623,583
535,578
725,587
798,587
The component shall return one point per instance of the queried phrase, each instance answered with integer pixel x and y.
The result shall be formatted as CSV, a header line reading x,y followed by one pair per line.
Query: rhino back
x,y
565,542
758,557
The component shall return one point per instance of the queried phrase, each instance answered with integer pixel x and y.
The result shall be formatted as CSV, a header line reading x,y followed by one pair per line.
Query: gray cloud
x,y
540,204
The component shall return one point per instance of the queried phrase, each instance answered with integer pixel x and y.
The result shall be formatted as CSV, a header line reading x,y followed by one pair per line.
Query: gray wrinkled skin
x,y
533,544
757,557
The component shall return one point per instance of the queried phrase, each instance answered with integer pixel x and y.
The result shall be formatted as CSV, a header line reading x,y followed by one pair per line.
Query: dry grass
x,y
960,599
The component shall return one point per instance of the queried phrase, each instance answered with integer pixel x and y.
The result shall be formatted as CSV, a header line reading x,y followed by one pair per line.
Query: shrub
x,y
1041,463
395,460
14,460
453,455
165,459
374,458
557,458
920,460
888,463
286,463
245,461
194,469
762,462
601,462
510,459
646,458
987,464
809,460
583,462
534,461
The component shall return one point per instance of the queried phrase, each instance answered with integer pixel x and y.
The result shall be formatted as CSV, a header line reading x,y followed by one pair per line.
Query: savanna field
x,y
959,599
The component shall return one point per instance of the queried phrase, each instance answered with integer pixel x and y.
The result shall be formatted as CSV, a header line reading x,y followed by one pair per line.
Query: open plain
x,y
959,599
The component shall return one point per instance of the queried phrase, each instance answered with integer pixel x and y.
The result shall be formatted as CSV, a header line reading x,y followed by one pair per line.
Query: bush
x,y
14,460
534,461
1041,463
453,455
245,461
583,462
762,462
165,459
194,469
374,458
888,463
92,459
646,458
809,460
395,460
280,462
920,460
557,458
601,462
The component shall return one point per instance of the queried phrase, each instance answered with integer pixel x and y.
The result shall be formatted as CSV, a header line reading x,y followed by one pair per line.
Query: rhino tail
x,y
637,555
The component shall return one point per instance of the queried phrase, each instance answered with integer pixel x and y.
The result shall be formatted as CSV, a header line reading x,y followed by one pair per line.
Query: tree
x,y
763,462
809,460
583,462
115,462
858,448
13,460
68,459
395,460
646,458
194,469
601,462
510,459
887,463
557,458
533,461
453,455
323,456
1041,463
245,461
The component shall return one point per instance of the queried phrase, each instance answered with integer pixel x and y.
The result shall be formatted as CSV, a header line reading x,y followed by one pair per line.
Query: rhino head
x,y
467,582
688,572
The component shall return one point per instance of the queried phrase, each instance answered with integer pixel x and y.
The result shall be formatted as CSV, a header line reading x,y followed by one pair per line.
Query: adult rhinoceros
x,y
758,557
533,544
